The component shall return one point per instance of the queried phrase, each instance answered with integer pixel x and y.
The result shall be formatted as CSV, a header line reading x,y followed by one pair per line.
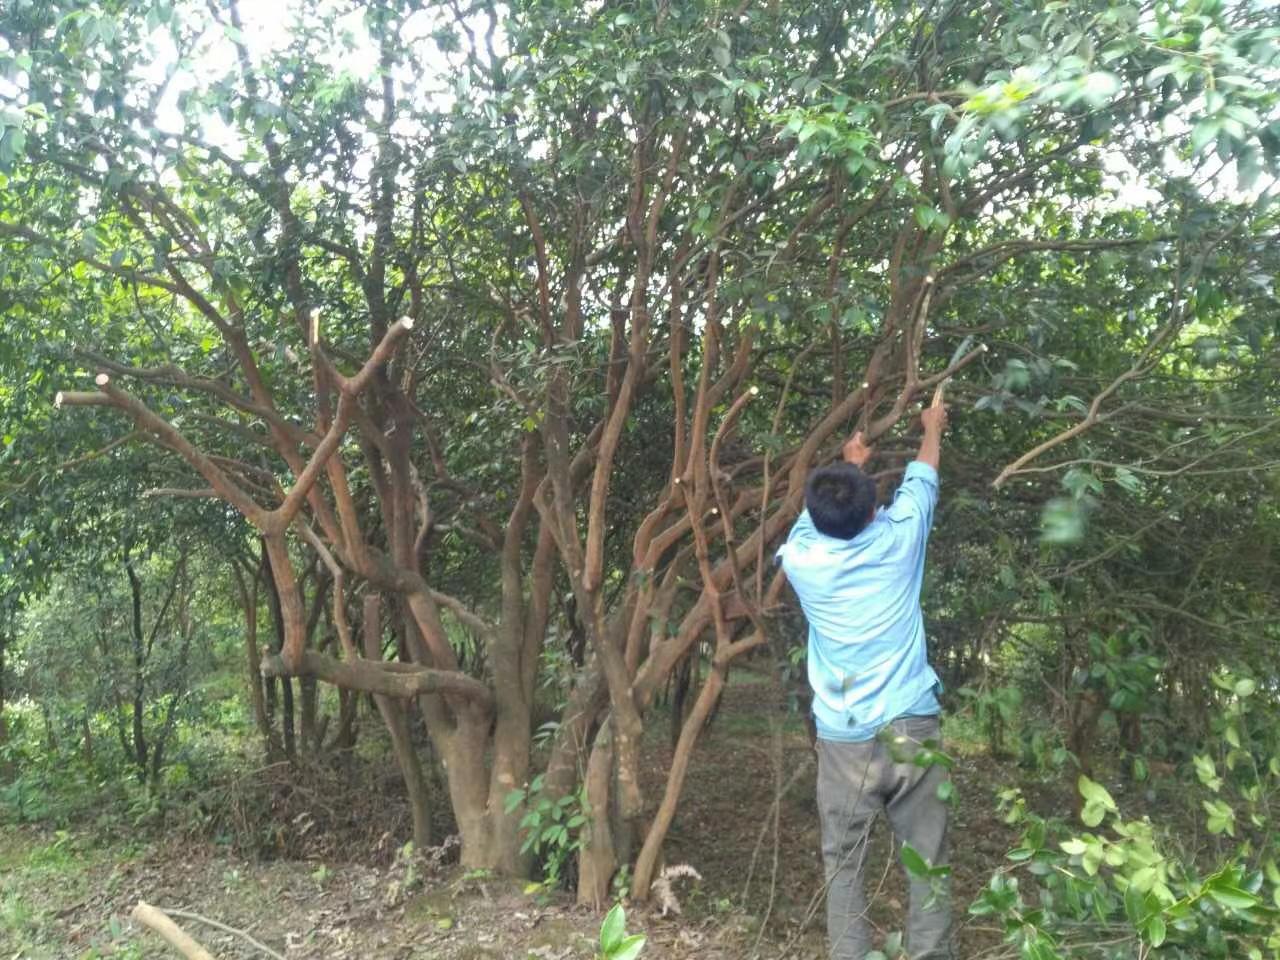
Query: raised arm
x,y
934,418
918,493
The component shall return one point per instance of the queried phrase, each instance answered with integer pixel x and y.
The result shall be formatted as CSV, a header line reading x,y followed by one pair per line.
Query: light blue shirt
x,y
867,658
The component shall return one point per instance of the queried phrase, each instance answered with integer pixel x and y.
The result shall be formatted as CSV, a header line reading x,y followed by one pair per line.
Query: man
x,y
857,572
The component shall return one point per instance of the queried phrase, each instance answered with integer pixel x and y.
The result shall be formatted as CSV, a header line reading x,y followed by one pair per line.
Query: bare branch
x,y
401,680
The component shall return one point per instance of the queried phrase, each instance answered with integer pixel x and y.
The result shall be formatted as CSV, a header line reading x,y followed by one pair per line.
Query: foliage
x,y
1143,883
552,828
995,711
652,265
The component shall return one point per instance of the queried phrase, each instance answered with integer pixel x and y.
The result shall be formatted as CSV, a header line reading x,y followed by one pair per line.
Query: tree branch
x,y
401,680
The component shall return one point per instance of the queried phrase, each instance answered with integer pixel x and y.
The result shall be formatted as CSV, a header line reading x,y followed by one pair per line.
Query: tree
x,y
744,231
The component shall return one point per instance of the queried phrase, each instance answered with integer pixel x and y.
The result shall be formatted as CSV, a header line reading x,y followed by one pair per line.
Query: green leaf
x,y
1038,946
1231,897
1095,793
1074,847
629,948
1154,932
1127,479
916,865
1204,133
1207,771
613,929
1092,859
1221,818
1244,115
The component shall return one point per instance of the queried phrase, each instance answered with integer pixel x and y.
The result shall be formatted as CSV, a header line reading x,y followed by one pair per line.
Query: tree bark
x,y
50,731
139,745
309,724
257,699
174,935
395,717
598,858
274,602
651,850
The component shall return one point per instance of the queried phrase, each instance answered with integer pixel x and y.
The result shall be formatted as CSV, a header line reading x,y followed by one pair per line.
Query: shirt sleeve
x,y
801,531
916,497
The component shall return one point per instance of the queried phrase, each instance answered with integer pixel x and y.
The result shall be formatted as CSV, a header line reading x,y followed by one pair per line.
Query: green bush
x,y
1123,887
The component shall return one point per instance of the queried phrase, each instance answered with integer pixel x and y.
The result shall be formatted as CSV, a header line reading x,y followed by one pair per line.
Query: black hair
x,y
841,499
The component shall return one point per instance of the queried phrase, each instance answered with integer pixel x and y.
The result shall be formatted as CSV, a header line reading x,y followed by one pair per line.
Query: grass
x,y
27,869
41,874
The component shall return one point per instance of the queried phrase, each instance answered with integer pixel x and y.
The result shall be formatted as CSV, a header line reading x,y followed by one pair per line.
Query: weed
x,y
615,944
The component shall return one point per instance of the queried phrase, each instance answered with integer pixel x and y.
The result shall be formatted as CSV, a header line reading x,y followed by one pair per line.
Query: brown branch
x,y
381,354
173,934
192,493
1140,366
544,269
339,590
401,680
151,423
191,915
466,616
180,378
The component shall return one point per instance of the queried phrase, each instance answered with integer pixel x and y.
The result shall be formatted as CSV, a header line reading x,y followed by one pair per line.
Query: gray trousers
x,y
855,782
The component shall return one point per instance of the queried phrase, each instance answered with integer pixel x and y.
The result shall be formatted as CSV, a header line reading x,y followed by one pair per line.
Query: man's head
x,y
841,500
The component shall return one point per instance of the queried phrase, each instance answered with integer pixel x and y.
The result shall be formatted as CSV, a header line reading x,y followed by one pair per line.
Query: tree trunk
x,y
462,751
253,658
651,850
679,683
344,738
139,745
271,699
1130,725
286,682
87,730
1082,729
460,733
310,726
395,717
598,858
50,732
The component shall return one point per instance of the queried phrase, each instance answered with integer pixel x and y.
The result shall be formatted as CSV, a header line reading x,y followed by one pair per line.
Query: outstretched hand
x,y
934,417
856,450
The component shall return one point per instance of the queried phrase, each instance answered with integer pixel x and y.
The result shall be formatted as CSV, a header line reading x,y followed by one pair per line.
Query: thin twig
x,y
188,915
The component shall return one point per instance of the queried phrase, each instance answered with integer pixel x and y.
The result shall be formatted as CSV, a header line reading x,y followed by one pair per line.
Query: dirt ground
x,y
68,895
